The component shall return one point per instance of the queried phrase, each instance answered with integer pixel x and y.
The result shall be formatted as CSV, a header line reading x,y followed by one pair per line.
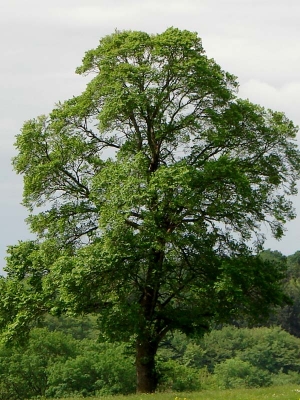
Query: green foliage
x,y
147,194
177,377
288,317
24,371
262,355
220,345
236,373
54,364
294,265
269,349
81,327
273,350
291,377
98,369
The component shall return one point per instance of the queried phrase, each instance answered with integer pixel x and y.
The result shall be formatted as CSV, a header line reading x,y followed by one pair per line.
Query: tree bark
x,y
145,366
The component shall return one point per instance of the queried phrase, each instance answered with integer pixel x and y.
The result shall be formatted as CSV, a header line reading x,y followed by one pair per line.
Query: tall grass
x,y
287,392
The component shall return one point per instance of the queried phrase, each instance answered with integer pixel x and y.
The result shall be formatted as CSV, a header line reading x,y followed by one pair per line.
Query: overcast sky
x,y
42,42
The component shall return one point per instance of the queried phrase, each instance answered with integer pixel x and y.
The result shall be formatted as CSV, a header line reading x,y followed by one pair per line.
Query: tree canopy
x,y
148,193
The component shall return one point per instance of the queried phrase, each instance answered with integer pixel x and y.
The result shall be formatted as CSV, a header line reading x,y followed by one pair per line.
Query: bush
x,y
291,378
273,350
270,349
220,345
100,369
54,364
236,373
176,377
23,370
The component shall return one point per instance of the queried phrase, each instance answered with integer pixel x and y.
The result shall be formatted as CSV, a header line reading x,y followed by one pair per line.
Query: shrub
x,y
236,373
102,369
176,377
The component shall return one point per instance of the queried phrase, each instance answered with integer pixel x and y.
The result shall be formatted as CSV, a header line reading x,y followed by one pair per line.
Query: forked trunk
x,y
145,366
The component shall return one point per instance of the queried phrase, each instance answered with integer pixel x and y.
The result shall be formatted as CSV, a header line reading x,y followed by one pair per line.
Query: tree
x,y
147,194
288,316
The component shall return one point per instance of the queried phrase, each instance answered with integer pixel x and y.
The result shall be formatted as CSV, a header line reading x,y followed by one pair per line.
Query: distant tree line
x,y
288,317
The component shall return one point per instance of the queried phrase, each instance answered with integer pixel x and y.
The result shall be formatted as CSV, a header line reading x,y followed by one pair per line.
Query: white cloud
x,y
285,98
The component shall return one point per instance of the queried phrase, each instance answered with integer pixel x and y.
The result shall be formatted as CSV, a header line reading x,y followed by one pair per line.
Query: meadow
x,y
287,392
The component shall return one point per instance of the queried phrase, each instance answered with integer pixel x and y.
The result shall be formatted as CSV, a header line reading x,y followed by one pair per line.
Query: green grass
x,y
287,392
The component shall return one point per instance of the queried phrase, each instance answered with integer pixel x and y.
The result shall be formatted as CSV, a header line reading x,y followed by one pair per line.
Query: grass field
x,y
289,392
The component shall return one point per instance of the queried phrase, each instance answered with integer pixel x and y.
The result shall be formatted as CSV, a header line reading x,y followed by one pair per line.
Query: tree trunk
x,y
145,366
